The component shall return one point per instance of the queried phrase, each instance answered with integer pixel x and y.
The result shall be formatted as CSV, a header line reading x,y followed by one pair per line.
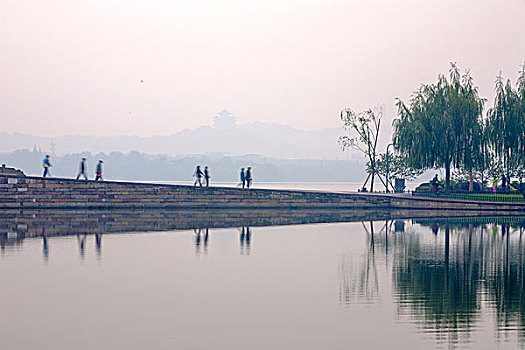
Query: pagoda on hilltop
x,y
224,120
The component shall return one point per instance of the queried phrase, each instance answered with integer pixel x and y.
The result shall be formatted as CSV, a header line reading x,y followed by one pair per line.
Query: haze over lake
x,y
152,91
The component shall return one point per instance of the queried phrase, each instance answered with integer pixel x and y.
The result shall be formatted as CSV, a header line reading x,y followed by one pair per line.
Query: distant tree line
x,y
444,125
157,167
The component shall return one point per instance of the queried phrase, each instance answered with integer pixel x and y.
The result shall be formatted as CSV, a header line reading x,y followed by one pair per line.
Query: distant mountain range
x,y
270,140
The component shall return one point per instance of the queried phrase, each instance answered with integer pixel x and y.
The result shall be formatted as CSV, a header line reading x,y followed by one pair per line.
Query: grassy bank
x,y
512,198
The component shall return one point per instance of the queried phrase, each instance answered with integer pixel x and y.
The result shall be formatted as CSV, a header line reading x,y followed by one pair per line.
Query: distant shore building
x,y
224,120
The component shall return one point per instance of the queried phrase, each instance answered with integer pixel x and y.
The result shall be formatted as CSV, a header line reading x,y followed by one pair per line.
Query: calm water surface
x,y
411,284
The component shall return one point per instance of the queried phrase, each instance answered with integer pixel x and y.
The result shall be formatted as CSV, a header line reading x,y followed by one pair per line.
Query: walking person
x,y
46,164
243,178
494,185
82,169
99,171
248,177
198,176
206,177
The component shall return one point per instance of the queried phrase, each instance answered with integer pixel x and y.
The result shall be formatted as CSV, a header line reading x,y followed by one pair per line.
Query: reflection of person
x,y
206,236
197,236
82,169
99,171
45,249
82,244
245,240
248,177
46,164
248,236
98,243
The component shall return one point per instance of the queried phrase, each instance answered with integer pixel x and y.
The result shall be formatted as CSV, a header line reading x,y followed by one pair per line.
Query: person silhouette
x,y
82,169
46,164
198,176
243,178
248,177
99,171
435,184
206,176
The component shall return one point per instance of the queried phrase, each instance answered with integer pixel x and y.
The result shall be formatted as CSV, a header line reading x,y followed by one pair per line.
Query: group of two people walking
x,y
81,169
246,177
199,175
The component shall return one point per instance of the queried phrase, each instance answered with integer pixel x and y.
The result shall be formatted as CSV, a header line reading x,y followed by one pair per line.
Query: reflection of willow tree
x,y
359,280
446,274
441,283
437,282
504,280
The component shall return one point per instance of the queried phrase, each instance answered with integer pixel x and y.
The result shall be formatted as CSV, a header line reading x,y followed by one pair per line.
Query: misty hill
x,y
270,140
223,168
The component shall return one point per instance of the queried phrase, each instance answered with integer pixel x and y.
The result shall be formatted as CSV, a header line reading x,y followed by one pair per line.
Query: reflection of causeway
x,y
16,224
448,274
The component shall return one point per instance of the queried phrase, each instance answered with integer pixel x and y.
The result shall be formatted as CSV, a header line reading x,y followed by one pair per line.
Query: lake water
x,y
396,284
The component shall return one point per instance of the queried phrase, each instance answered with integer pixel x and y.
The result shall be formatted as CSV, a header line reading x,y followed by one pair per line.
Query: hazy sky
x,y
150,67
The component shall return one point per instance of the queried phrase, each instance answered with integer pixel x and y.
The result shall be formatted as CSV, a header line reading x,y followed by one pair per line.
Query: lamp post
x,y
387,147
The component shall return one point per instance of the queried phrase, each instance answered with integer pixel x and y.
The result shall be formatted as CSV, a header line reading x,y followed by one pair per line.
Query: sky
x,y
154,67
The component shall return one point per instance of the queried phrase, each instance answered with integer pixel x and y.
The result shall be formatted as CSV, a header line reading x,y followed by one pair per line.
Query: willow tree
x,y
521,117
363,133
441,127
468,110
505,126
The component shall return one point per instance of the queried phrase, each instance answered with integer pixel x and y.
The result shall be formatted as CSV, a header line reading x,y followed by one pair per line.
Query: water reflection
x,y
450,277
202,236
98,244
245,240
81,239
16,225
447,276
20,223
201,240
45,248
358,275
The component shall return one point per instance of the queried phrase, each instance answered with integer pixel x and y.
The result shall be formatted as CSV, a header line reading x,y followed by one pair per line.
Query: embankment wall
x,y
51,193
